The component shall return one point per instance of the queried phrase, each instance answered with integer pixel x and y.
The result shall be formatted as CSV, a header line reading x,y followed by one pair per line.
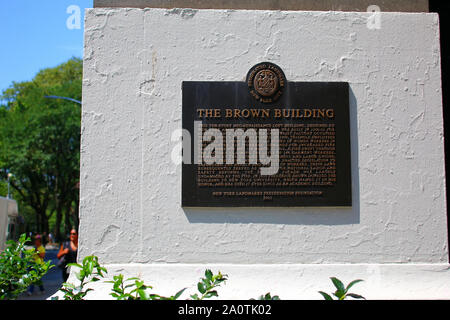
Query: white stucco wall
x,y
395,234
135,61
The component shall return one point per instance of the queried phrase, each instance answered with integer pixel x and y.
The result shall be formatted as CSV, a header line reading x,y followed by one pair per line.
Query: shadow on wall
x,y
294,216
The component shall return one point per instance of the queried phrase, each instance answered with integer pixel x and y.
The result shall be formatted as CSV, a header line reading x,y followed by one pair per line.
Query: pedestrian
x,y
39,258
68,253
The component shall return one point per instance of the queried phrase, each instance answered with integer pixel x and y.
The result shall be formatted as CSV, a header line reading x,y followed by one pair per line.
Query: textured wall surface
x,y
135,61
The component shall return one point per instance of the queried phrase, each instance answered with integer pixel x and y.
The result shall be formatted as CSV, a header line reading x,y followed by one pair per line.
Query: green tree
x,y
40,142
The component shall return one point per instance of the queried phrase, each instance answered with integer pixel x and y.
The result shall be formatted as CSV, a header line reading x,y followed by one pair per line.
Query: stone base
x,y
288,281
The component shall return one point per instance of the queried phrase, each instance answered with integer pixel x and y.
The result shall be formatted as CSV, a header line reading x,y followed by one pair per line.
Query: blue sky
x,y
34,35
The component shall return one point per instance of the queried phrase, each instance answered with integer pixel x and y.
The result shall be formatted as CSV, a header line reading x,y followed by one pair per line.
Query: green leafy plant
x,y
267,296
137,290
19,269
90,271
207,285
341,292
119,290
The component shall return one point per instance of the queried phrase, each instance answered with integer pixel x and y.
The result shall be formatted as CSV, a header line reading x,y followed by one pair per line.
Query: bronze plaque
x,y
266,142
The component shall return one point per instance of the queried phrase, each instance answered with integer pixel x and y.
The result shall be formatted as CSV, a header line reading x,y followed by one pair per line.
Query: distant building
x,y
9,215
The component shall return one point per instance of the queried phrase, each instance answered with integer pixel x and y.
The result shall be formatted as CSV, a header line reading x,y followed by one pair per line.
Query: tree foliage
x,y
40,142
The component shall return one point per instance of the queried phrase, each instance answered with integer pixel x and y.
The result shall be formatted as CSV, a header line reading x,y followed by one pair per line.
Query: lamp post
x,y
8,196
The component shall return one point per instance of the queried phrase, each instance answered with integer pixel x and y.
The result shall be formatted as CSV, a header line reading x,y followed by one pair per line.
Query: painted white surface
x,y
135,61
289,282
